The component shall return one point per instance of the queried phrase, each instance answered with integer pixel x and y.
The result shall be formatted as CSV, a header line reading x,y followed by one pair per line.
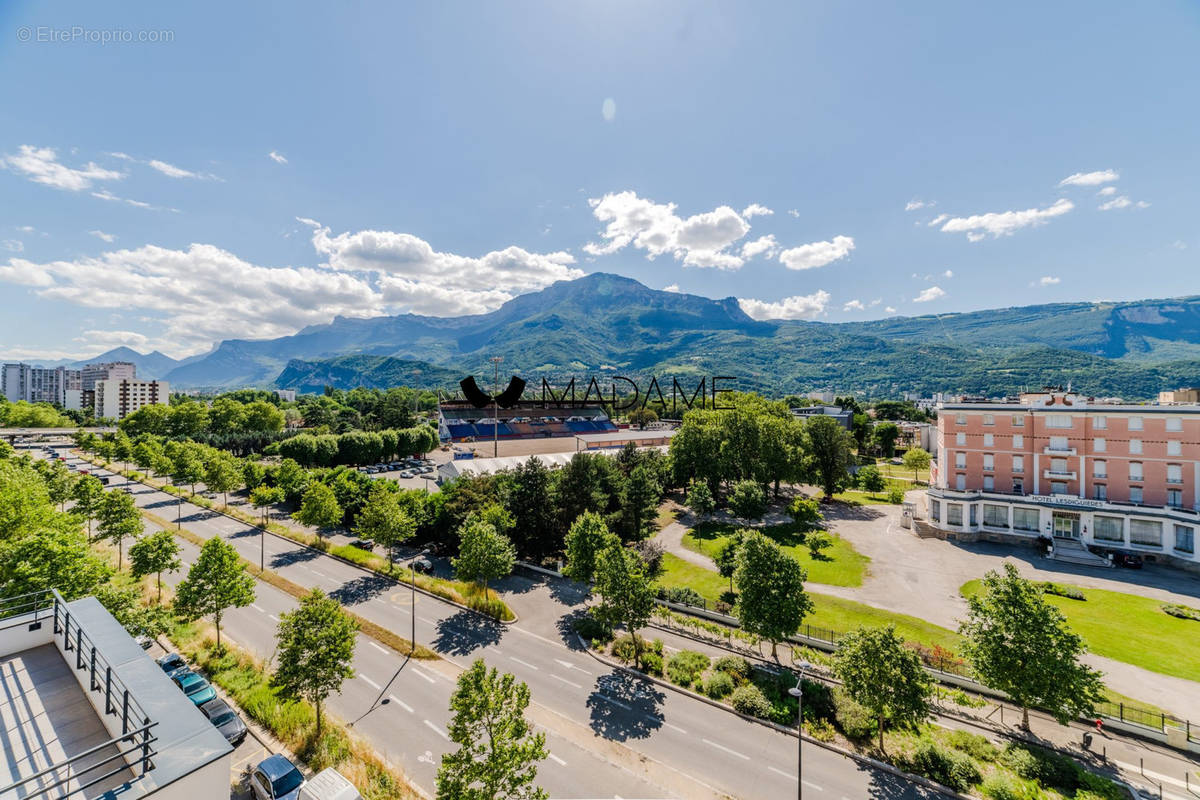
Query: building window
x,y
961,419
1108,529
1058,466
989,419
1135,470
1018,466
1018,440
974,514
1174,424
1058,421
1100,491
935,510
1058,487
1100,445
960,460
1174,473
1018,486
1135,447
960,482
1018,421
1145,532
989,440
1099,469
954,514
1100,423
1174,498
1135,494
1185,541
1059,443
960,439
1135,423
997,516
1025,519
989,462
989,483
1174,448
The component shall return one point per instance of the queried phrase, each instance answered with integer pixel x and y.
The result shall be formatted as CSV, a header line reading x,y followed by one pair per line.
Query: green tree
x,y
771,598
154,555
147,454
1020,644
382,520
60,481
187,420
642,417
805,512
316,648
639,503
886,434
253,474
186,467
885,677
626,594
917,460
828,450
747,500
263,417
226,415
122,449
498,750
699,499
89,499
222,474
727,558
119,517
483,553
264,497
320,508
55,556
871,480
587,536
816,541
217,582
536,533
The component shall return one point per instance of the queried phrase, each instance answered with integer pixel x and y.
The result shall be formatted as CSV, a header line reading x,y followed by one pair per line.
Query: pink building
x,y
1112,478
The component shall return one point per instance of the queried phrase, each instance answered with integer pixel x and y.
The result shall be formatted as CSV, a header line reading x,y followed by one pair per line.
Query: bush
x,y
1183,612
652,663
1054,771
747,500
816,541
700,499
822,730
684,595
735,667
805,512
856,722
718,685
1002,786
750,700
592,629
1058,589
895,496
686,667
976,746
623,649
948,767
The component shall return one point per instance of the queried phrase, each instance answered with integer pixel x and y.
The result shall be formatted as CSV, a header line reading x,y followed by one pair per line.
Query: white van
x,y
328,784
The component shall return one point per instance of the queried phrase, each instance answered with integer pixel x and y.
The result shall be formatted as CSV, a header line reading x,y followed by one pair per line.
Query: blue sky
x,y
442,157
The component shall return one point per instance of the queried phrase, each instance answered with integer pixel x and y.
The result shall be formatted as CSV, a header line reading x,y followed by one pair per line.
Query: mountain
x,y
150,366
604,323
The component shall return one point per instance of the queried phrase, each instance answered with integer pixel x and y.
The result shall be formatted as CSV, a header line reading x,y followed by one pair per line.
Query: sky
x,y
172,175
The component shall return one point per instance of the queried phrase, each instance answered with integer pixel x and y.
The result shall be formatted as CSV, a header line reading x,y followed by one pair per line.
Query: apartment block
x,y
1062,467
121,370
117,398
55,385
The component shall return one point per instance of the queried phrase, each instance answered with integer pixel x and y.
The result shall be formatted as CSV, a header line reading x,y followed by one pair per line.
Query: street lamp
x,y
412,565
496,405
798,693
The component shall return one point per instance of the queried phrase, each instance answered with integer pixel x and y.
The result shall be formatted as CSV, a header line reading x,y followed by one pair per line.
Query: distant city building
x,y
39,384
286,395
1076,472
1191,395
117,398
826,397
844,416
91,373
917,434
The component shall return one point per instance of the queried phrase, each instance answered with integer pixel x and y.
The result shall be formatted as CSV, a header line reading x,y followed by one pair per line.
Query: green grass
x,y
831,612
901,472
857,497
1128,628
839,565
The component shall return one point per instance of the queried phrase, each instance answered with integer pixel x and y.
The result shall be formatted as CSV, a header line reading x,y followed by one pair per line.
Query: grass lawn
x,y
831,612
859,497
889,470
839,565
1129,628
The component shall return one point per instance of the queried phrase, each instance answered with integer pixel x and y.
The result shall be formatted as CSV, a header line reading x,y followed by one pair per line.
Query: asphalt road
x,y
610,735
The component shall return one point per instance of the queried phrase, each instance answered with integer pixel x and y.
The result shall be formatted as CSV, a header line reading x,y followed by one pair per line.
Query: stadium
x,y
461,421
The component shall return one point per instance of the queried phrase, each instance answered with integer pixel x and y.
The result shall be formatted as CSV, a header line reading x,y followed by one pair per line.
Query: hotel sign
x,y
1066,500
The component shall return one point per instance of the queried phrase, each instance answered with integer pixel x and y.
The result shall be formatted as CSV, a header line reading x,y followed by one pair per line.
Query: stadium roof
x,y
626,436
486,466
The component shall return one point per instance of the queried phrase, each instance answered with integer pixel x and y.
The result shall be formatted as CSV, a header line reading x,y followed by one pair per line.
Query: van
x,y
328,784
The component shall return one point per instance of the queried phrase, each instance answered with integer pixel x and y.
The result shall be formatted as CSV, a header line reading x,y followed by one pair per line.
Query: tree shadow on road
x,y
568,592
624,707
297,556
361,589
465,632
159,504
566,628
885,784
200,516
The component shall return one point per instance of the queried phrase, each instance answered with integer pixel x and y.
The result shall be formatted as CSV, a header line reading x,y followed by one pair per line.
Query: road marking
x,y
438,730
787,775
557,760
536,636
378,647
522,663
370,682
400,703
423,675
569,665
427,621
319,574
564,680
615,702
675,727
726,749
256,608
812,785
272,616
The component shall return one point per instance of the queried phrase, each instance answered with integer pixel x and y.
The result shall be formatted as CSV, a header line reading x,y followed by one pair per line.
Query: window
x,y
1100,423
989,440
1058,421
953,514
1100,445
1135,423
1135,470
1135,447
961,419
1145,532
1018,440
989,462
1108,529
1059,443
989,419
960,439
1135,494
1174,448
1100,491
1018,421
960,460
935,510
1058,466
1174,424
1058,487
1018,486
1174,473
1185,541
997,516
1174,498
1099,469
989,483
1018,464
1025,519
960,482
974,515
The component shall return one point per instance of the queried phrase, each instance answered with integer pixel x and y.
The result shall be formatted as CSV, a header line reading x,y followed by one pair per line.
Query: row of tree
x,y
356,447
188,418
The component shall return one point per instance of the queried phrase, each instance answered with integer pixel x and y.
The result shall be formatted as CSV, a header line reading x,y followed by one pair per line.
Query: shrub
x,y
816,541
747,500
856,722
700,499
736,667
686,666
895,496
657,647
684,595
750,700
723,607
623,648
1052,770
976,746
1058,589
805,512
1183,612
652,663
718,685
948,767
1002,786
591,628
822,730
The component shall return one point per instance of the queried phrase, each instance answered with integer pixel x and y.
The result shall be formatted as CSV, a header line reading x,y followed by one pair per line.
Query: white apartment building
x,y
107,370
117,398
57,385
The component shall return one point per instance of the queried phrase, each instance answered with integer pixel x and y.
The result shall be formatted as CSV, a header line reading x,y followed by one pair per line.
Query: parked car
x,y
1131,560
171,664
145,642
195,686
423,565
276,778
363,544
225,720
329,784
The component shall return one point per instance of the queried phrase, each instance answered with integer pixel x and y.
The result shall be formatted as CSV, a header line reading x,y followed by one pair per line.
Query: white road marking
x,y
615,702
400,703
319,574
256,608
812,785
370,682
272,616
427,621
564,680
379,647
536,636
438,730
569,665
787,775
676,728
422,674
522,663
557,760
711,743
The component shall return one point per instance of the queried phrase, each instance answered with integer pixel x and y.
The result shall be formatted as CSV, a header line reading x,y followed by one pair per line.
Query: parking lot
x,y
412,473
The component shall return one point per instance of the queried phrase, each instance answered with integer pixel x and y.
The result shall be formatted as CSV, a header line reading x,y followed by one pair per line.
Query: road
x,y
611,735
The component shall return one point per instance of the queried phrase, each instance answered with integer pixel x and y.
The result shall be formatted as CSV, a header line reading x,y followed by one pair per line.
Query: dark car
x,y
1131,560
276,778
225,720
195,686
423,565
171,664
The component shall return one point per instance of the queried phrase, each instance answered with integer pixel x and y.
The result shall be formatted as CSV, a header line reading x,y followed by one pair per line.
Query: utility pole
x,y
496,406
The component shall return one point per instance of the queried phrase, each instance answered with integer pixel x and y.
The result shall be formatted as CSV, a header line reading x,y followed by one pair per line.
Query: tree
x,y
55,556
870,480
89,498
217,582
320,508
498,749
886,434
119,517
882,675
155,554
587,537
222,474
639,503
187,420
264,497
727,557
626,594
860,429
917,460
827,446
263,417
537,532
316,648
699,499
60,481
805,512
1020,644
382,520
747,500
186,467
483,553
816,541
642,417
771,598
253,474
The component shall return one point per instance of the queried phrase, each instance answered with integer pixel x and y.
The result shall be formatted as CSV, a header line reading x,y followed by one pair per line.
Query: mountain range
x,y
608,324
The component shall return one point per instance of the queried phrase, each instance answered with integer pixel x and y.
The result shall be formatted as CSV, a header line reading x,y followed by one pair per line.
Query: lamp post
x,y
412,565
496,405
798,693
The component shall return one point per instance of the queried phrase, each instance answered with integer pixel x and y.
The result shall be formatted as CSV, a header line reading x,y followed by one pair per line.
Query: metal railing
x,y
134,746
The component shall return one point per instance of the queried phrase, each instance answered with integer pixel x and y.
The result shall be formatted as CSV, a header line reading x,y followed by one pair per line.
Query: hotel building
x,y
1104,477
117,398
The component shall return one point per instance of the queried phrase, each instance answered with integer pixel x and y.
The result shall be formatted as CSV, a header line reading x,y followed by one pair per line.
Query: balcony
x,y
1054,451
1050,474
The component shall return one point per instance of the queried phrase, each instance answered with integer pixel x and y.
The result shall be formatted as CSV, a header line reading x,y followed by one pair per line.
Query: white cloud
x,y
1116,202
108,237
817,254
915,205
278,158
889,310
948,273
104,194
938,220
1090,178
13,245
172,171
25,228
608,109
674,287
854,305
794,213
101,341
1005,223
41,165
1142,204
932,293
1047,280
1179,244
796,307
1107,191
698,241
763,244
756,210
876,302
